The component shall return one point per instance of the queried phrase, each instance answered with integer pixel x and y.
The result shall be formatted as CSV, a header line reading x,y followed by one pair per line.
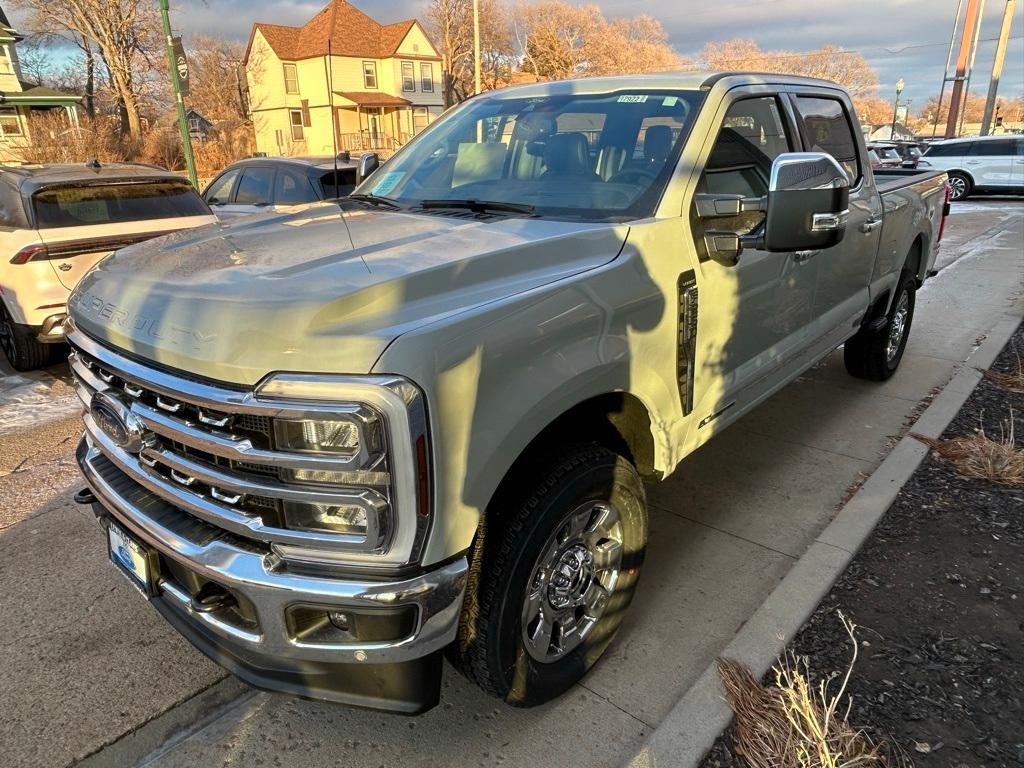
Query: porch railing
x,y
362,141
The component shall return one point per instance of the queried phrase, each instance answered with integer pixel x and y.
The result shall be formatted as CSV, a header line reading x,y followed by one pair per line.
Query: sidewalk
x,y
725,529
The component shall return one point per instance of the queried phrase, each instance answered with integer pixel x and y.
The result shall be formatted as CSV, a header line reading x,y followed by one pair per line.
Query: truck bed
x,y
891,179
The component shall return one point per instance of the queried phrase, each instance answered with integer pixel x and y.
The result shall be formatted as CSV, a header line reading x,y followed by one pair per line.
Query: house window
x,y
426,77
5,60
295,118
369,74
408,76
291,79
193,124
10,123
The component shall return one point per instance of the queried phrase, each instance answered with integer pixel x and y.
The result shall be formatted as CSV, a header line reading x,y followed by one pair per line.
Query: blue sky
x,y
899,38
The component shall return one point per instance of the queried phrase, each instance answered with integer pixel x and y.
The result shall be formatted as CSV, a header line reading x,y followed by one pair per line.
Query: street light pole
x,y
896,108
186,140
476,46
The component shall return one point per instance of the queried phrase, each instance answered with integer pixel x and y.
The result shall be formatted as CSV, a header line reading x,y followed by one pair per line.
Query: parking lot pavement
x,y
725,529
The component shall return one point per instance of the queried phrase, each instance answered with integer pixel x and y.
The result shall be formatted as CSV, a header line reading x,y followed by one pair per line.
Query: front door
x,y
754,314
844,271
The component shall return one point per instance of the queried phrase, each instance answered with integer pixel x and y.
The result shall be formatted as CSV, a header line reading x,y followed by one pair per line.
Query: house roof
x,y
36,95
374,99
340,26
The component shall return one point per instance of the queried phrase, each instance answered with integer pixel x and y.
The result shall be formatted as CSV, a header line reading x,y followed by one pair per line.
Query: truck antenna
x,y
334,114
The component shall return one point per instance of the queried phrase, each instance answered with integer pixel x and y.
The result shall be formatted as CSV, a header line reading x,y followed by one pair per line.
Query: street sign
x,y
181,64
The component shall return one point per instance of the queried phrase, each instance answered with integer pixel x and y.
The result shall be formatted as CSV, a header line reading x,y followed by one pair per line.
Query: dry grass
x,y
796,724
979,457
1012,381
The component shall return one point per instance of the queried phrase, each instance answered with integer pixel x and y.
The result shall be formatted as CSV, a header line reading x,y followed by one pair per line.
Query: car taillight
x,y
945,213
34,252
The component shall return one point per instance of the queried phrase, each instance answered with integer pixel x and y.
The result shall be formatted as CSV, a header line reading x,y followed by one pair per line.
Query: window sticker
x,y
633,99
387,182
670,101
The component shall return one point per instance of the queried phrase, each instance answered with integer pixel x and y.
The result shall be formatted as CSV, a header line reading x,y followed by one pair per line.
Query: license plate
x,y
136,560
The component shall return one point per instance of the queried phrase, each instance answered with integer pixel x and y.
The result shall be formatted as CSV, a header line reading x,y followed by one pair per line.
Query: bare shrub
x,y
162,147
979,457
1012,381
230,141
55,140
796,724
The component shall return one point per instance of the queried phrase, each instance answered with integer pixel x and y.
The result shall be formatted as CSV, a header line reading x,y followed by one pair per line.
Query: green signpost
x,y
177,63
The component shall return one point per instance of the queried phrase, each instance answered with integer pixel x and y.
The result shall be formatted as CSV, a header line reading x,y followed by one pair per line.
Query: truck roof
x,y
691,81
29,178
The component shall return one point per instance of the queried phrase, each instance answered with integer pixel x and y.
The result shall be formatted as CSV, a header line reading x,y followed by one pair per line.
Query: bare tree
x,y
215,72
450,23
560,40
848,68
123,33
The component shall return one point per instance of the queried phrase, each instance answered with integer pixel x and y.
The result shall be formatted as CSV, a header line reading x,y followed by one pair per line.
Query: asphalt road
x,y
82,650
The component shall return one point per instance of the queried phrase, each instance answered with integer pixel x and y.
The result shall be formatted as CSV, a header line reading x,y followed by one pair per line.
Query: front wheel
x,y
875,353
552,576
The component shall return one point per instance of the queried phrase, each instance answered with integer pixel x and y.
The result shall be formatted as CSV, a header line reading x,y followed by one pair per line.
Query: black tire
x,y
492,647
960,186
20,345
876,354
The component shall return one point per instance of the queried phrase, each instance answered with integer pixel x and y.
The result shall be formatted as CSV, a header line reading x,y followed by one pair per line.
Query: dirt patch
x,y
938,592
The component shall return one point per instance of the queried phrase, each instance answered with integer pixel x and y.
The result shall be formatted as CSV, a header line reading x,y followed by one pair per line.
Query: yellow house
x,y
373,85
20,99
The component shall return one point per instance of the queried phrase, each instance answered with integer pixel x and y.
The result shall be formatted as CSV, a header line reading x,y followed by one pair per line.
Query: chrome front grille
x,y
209,452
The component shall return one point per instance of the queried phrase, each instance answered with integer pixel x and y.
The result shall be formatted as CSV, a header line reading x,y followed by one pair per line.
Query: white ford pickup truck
x,y
332,445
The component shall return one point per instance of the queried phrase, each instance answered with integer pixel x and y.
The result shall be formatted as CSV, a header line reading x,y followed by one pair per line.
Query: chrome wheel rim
x,y
898,327
572,581
957,187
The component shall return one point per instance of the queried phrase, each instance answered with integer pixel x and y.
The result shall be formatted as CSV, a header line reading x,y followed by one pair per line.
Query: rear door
x,y
991,162
844,271
82,223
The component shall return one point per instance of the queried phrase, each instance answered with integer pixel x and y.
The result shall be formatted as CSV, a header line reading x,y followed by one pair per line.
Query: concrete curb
x,y
168,728
686,734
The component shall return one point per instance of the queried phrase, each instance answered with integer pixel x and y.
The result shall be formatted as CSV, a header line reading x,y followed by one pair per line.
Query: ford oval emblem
x,y
115,419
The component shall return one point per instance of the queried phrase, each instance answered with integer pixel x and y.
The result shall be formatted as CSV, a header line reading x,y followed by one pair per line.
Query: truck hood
x,y
322,290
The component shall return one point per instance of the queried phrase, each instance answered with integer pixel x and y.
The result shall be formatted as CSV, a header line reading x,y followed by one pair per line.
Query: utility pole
x,y
997,67
970,67
945,69
896,108
476,45
966,36
186,140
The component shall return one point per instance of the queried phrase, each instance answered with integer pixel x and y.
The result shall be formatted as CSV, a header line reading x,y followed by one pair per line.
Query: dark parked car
x,y
909,151
887,155
262,184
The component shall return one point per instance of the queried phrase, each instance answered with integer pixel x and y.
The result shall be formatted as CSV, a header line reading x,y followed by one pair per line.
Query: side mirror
x,y
368,163
808,202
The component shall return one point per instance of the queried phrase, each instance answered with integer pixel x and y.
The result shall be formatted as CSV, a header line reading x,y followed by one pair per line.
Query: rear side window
x,y
949,150
115,203
827,128
293,189
346,183
997,148
254,186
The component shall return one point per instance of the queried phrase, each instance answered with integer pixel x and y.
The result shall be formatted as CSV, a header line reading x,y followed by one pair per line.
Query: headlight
x,y
368,468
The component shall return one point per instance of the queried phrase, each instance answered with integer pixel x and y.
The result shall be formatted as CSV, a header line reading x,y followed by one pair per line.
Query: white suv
x,y
979,164
57,221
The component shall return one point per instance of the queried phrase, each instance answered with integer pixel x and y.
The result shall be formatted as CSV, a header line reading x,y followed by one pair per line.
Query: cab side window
x,y
827,128
753,134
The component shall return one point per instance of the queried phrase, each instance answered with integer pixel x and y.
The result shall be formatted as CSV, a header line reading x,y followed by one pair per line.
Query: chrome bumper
x,y
259,577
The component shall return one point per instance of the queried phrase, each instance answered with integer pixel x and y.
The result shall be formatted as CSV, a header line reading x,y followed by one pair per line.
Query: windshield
x,y
596,157
115,203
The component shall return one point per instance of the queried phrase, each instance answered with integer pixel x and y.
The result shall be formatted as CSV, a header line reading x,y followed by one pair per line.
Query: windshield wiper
x,y
377,200
479,206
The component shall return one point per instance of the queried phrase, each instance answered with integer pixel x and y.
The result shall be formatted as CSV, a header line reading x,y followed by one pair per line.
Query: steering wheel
x,y
633,176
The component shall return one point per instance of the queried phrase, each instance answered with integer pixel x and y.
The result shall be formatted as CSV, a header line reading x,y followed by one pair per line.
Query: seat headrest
x,y
658,143
568,154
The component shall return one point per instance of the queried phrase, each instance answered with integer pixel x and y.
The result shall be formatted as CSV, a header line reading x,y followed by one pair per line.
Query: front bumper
x,y
259,642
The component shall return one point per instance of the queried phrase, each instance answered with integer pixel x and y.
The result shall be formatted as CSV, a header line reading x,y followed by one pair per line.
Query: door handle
x,y
802,257
870,225
973,162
